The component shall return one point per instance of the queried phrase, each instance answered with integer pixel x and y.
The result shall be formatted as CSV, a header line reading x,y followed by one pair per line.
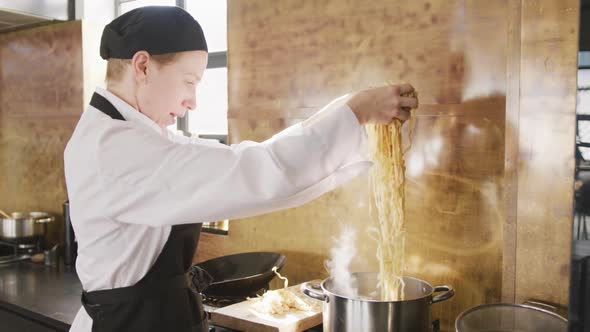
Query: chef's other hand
x,y
381,105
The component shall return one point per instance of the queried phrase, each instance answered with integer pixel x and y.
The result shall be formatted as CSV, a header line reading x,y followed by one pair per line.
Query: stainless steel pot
x,y
508,317
24,225
366,313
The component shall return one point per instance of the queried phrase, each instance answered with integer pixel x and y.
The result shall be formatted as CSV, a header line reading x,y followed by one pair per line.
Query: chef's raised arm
x,y
151,180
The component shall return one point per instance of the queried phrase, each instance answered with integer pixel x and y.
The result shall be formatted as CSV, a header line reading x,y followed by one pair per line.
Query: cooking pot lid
x,y
504,317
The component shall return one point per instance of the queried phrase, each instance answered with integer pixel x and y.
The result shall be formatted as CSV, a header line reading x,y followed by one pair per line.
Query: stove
x,y
15,251
214,328
212,303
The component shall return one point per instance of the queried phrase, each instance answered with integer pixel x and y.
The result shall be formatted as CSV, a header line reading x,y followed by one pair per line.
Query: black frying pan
x,y
241,275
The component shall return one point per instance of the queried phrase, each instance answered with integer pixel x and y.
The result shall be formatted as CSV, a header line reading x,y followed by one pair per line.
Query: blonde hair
x,y
116,67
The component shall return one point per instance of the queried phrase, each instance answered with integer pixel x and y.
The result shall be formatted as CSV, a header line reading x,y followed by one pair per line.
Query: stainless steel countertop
x,y
50,294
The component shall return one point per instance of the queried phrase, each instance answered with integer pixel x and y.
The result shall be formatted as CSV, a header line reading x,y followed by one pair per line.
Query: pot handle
x,y
44,220
313,290
448,293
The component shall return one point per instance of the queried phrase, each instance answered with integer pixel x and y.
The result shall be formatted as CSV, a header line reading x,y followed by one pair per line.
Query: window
x,y
127,5
583,111
209,119
212,15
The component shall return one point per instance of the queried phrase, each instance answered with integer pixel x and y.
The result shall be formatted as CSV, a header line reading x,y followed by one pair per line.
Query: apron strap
x,y
102,104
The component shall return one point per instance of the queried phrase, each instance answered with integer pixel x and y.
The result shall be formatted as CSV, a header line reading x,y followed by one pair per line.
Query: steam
x,y
342,254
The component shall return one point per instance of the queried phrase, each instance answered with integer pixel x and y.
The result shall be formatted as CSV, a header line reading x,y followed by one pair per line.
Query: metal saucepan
x,y
24,225
241,275
366,313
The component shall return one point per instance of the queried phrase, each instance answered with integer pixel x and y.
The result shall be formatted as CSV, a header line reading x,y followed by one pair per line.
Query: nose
x,y
190,104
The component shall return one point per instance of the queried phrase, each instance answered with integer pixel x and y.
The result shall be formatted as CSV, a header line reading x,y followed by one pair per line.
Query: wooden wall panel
x,y
286,60
511,151
546,141
40,103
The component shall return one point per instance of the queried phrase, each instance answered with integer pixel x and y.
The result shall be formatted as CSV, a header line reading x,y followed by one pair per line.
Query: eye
x,y
190,82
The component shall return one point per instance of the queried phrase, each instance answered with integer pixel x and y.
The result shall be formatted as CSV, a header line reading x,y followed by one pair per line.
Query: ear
x,y
139,63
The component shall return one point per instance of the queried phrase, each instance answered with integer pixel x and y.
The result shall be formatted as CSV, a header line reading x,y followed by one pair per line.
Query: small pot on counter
x,y
23,226
365,313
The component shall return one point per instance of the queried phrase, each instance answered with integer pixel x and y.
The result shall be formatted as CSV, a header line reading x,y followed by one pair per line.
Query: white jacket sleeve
x,y
151,180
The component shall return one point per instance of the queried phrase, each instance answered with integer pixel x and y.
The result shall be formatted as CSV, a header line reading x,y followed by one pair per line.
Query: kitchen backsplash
x,y
40,103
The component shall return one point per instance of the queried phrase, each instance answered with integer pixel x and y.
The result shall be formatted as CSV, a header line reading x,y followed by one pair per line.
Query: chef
x,y
139,194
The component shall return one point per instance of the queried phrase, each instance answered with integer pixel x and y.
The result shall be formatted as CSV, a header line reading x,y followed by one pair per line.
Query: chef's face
x,y
165,91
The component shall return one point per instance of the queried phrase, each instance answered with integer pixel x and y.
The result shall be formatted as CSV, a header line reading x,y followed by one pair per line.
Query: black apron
x,y
162,300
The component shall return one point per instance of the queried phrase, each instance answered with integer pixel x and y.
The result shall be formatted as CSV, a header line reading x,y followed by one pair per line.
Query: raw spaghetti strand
x,y
387,180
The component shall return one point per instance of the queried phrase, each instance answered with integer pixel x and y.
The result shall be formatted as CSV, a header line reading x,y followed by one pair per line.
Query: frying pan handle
x,y
314,290
448,293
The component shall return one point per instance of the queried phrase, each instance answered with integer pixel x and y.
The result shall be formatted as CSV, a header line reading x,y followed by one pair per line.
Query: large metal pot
x,y
367,314
24,225
508,317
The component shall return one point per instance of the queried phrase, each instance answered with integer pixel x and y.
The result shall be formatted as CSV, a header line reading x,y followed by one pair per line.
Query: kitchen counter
x,y
43,296
46,295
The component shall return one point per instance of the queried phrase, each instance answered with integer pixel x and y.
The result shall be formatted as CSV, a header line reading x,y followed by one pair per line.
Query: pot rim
x,y
32,215
503,304
330,293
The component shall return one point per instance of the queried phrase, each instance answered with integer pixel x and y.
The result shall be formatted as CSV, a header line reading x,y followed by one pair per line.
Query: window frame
x,y
583,64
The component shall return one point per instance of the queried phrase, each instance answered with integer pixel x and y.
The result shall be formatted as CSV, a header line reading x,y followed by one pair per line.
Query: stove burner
x,y
213,328
26,246
13,259
14,251
212,303
221,301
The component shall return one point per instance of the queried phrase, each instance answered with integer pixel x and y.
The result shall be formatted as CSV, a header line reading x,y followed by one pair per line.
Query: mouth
x,y
175,115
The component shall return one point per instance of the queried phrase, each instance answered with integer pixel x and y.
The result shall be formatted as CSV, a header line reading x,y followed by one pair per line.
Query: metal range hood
x,y
22,14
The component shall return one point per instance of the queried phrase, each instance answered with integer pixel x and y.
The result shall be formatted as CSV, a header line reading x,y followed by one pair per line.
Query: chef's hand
x,y
381,105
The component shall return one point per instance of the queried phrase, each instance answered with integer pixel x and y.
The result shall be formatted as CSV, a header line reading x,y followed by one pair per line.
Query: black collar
x,y
105,106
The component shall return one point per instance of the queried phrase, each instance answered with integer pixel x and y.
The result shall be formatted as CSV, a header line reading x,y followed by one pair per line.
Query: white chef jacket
x,y
128,183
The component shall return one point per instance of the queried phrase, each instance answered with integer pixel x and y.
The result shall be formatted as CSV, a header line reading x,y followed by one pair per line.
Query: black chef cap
x,y
155,29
